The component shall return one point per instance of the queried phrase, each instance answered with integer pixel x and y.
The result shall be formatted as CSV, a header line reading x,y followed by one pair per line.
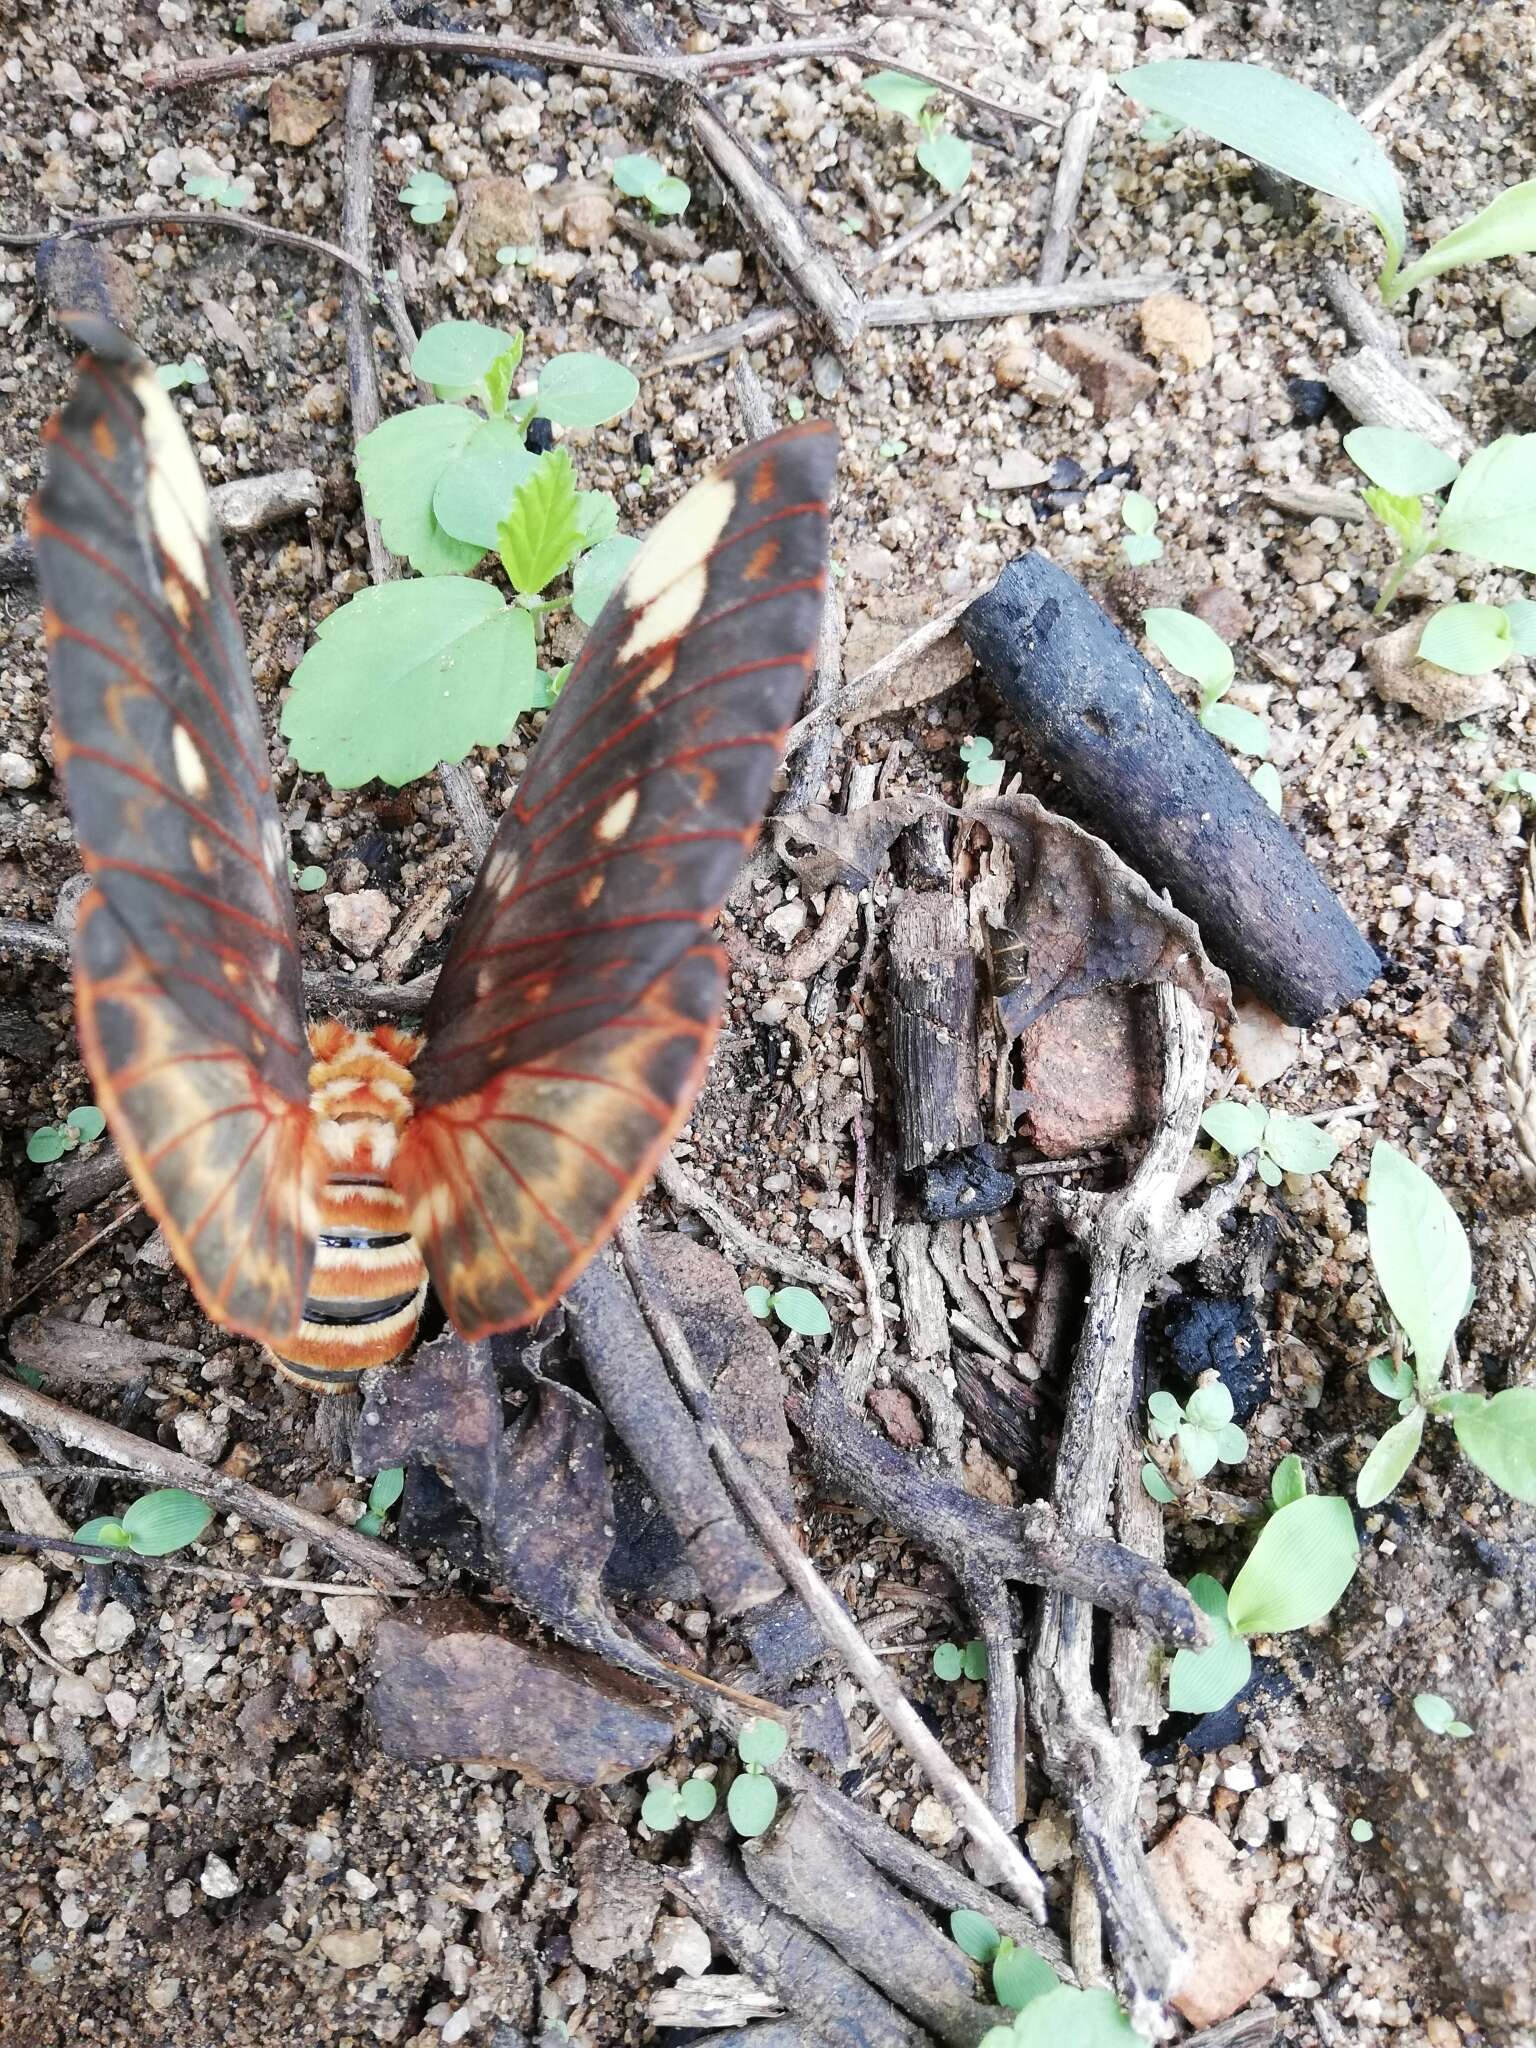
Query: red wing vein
x,y
225,996
571,1243
160,880
506,1030
145,780
613,924
620,850
536,1123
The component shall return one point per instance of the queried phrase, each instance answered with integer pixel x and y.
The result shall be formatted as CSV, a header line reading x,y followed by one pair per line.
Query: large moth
x,y
310,1182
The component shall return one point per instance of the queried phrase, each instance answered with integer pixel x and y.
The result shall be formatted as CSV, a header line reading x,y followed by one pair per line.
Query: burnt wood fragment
x,y
933,1029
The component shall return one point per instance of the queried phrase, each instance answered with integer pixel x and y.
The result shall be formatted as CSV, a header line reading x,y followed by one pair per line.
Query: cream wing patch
x,y
680,543
179,510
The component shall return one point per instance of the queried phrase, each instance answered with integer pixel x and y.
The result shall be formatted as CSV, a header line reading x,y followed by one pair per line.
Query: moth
x,y
311,1182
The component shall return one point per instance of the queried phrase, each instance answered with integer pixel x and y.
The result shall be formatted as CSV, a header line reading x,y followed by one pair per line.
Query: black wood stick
x,y
1164,793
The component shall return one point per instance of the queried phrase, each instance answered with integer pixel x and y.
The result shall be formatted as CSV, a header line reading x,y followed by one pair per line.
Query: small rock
x,y
588,220
295,116
788,921
1011,370
1088,1080
898,1418
16,770
1429,1026
933,1823
162,1993
1398,675
1049,1839
149,1759
500,213
1223,610
681,1944
1262,1044
200,1435
23,1591
983,1477
360,922
353,1948
164,168
114,1627
353,1615
1207,1894
122,1708
266,21
618,1900
1114,381
1517,311
218,1881
1310,399
69,1633
723,268
870,563
1171,326
826,375
1018,470
75,1694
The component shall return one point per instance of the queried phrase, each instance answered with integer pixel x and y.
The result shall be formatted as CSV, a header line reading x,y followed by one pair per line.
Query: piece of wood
x,y
1164,792
933,1029
1076,142
1378,390
812,1873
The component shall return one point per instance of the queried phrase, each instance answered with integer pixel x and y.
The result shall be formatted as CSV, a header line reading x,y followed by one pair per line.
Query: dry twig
x,y
679,1186
1076,142
1515,1019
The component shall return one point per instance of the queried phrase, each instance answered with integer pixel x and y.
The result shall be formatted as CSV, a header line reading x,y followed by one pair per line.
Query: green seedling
x,y
1472,639
1297,1571
1284,1143
1308,137
155,1525
1518,782
1202,1427
1066,2018
796,1308
172,376
983,768
1198,651
386,1489
1489,514
448,482
427,196
1439,1716
1423,1266
308,879
1018,1974
952,1663
517,254
52,1141
641,177
945,157
1139,543
753,1799
1266,782
667,1803
221,191
1361,1831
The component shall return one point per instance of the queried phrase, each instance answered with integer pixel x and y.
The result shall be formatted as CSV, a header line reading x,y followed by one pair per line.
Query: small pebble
x,y
218,1881
23,1591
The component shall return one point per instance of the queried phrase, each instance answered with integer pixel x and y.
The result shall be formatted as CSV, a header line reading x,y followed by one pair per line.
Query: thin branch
x,y
1076,142
679,1186
1407,78
107,1553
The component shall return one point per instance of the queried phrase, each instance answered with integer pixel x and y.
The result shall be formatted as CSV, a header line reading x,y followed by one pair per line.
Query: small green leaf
x,y
496,387
1297,1145
752,1802
1231,1444
974,1934
1269,1173
899,93
1200,1447
697,1798
106,1530
88,1121
974,1662
172,376
1209,1405
1166,1414
1237,1127
1404,464
455,356
1202,1681
1138,512
1491,512
407,675
598,514
1191,646
662,1808
1266,780
1467,639
948,1662
1068,2018
1421,1257
1505,227
1141,548
1499,1436
521,253
386,1489
759,1300
982,769
541,532
1019,1975
1298,1569
1244,731
427,195
1438,1715
1288,1482
669,197
637,176
799,1310
1156,1485
309,879
399,465
598,574
1389,1459
1361,1831
1521,614
1390,1378
947,160
475,491
1281,124
166,1520
582,390
761,1741
46,1145
1401,516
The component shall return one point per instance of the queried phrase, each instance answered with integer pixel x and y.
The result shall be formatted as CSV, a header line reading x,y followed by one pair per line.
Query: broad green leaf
x,y
1288,1482
1244,731
974,1934
1266,780
598,514
1389,1459
1403,517
946,158
1191,646
1390,1378
1209,1406
1141,548
104,1529
386,1489
1405,464
1138,512
1505,227
1298,1569
1019,1975
1500,1438
399,465
166,1520
1468,639
408,675
697,1798
456,355
583,390
1199,1682
1201,1447
46,1145
475,491
1521,614
1491,512
1156,1485
637,176
799,1310
599,573
1069,2018
661,1809
948,1662
1421,1257
1297,1145
1282,124
1438,1715
759,1300
1236,1126
670,196
898,93
752,1802
541,532
761,1740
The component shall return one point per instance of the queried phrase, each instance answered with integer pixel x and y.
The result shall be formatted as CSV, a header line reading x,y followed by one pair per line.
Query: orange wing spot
x,y
656,679
103,440
765,485
203,856
761,565
234,971
591,889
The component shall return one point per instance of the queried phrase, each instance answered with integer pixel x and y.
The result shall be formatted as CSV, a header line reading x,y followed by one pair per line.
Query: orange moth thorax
x,y
360,1086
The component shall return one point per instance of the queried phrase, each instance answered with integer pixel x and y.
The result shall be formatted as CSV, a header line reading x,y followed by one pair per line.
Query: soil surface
x,y
199,1841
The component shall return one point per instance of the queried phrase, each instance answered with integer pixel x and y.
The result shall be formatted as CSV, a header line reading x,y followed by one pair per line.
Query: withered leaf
x,y
823,848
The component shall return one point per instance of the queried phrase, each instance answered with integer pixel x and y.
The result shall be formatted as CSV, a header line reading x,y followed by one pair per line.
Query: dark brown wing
x,y
188,992
572,1022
